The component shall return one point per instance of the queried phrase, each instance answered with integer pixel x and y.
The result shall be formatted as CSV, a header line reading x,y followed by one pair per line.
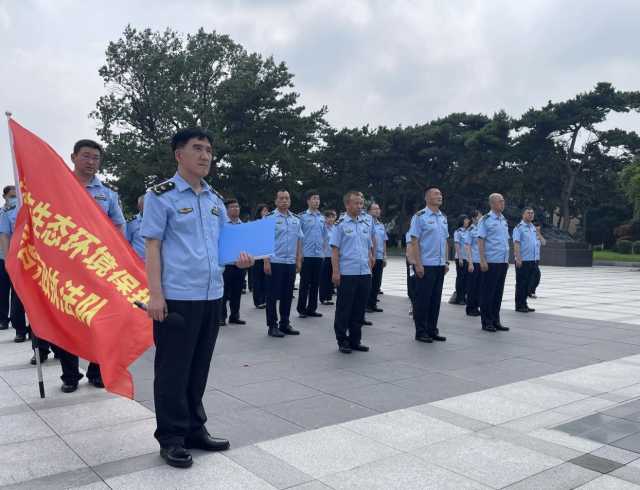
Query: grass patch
x,y
615,256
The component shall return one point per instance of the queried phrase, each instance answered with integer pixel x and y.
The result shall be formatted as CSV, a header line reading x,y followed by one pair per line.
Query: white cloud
x,y
379,62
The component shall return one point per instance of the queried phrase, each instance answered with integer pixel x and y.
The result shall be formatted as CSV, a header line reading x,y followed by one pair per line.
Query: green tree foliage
x,y
630,183
158,82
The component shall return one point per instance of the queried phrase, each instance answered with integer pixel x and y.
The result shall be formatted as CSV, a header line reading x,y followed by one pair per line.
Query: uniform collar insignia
x,y
185,210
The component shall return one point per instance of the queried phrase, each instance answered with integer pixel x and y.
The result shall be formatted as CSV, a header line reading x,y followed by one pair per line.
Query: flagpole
x,y
34,339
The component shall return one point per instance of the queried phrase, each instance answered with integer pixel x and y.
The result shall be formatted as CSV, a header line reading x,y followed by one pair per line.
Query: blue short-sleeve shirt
x,y
326,247
471,239
314,231
107,199
8,218
133,235
288,233
189,226
352,237
431,230
380,234
525,234
494,230
459,237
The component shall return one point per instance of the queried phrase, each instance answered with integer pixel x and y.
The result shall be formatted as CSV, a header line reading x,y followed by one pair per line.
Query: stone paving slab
x,y
405,415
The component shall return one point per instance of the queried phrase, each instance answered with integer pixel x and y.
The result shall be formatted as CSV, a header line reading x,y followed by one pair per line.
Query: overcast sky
x,y
371,62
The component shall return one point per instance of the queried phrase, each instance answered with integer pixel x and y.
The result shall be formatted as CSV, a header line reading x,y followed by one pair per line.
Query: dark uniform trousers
x,y
523,278
326,286
534,280
184,346
376,283
309,284
280,288
233,278
491,291
353,293
474,280
5,293
461,280
259,283
426,304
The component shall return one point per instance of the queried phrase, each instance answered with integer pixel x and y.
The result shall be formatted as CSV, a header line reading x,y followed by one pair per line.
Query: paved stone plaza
x,y
550,404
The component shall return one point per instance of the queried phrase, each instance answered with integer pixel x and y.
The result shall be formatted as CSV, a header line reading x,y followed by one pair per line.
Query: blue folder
x,y
257,238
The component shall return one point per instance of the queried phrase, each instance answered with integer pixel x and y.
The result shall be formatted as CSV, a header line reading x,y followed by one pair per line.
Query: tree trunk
x,y
567,191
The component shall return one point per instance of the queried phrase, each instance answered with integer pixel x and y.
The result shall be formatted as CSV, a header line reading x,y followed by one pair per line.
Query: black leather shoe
x,y
261,307
314,314
522,309
20,338
473,313
176,456
275,332
424,338
531,309
68,388
374,310
237,321
360,348
345,348
327,303
368,323
97,382
289,331
501,328
43,357
206,443
488,328
439,338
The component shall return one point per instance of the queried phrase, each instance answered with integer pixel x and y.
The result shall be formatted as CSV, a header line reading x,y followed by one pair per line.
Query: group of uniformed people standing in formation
x,y
176,233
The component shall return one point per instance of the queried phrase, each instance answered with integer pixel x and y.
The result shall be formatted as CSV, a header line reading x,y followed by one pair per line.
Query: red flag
x,y
73,269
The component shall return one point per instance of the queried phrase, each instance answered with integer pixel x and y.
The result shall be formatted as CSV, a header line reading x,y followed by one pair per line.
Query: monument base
x,y
566,254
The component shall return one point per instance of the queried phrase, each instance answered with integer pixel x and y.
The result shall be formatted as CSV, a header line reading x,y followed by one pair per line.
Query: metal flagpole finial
x,y
8,113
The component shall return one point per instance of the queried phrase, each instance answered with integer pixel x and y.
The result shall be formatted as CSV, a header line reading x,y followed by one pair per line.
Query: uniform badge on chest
x,y
100,197
185,210
215,210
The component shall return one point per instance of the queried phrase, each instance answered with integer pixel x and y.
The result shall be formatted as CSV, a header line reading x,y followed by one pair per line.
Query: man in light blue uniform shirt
x,y
459,237
493,245
429,232
326,286
9,195
281,267
133,230
380,241
87,157
352,258
315,234
182,221
525,244
472,254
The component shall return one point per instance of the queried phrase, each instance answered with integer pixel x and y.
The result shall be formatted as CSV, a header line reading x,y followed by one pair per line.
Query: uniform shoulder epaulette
x,y
485,216
10,207
420,213
217,194
338,221
110,186
163,187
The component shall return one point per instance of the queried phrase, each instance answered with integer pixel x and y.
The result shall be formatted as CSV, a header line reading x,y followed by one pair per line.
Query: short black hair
x,y
461,219
281,190
230,201
87,144
527,208
430,187
182,137
330,212
8,188
259,208
310,193
348,195
371,204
